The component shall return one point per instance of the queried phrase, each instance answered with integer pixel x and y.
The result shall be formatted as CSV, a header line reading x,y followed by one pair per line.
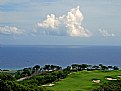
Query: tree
x,y
110,86
18,74
54,67
115,68
36,68
58,68
68,68
74,67
96,67
84,66
110,67
5,77
104,68
101,65
26,72
79,67
89,68
47,67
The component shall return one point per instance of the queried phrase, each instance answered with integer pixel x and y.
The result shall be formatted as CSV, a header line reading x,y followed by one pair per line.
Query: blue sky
x,y
60,22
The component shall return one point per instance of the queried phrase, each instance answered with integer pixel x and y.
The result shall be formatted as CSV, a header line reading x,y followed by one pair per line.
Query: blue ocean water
x,y
16,57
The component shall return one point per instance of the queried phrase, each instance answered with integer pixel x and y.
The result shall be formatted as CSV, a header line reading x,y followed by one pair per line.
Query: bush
x,y
110,86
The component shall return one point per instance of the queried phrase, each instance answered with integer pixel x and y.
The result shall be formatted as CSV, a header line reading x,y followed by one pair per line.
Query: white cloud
x,y
51,22
105,33
8,30
70,22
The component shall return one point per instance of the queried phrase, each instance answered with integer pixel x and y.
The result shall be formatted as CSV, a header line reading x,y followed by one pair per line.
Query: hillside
x,y
77,77
82,81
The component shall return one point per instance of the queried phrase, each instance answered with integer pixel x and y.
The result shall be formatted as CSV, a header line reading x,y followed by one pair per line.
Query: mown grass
x,y
82,81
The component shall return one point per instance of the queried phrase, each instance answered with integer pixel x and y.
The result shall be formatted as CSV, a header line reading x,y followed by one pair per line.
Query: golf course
x,y
77,77
85,80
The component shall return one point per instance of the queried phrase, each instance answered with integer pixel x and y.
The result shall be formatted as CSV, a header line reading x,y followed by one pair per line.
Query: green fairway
x,y
82,81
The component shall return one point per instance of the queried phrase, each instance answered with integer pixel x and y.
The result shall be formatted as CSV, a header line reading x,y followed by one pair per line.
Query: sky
x,y
60,22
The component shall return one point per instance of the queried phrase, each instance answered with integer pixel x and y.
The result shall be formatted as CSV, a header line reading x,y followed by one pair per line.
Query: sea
x,y
18,57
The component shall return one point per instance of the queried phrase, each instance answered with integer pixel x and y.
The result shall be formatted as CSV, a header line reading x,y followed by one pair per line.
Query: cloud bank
x,y
69,24
10,30
105,33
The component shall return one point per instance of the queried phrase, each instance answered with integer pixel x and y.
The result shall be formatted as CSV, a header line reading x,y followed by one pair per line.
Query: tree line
x,y
80,67
37,69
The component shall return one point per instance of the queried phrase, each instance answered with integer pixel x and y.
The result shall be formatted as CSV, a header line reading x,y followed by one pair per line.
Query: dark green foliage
x,y
12,86
80,67
100,65
37,76
8,83
26,72
18,74
96,67
84,66
115,68
36,68
5,76
49,77
67,69
104,68
51,67
74,67
110,67
110,86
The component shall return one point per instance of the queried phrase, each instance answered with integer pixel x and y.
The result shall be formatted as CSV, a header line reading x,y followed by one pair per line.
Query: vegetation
x,y
110,86
83,81
9,83
74,77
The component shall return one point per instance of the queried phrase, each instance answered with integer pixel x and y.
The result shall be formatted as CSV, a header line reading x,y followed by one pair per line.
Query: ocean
x,y
17,57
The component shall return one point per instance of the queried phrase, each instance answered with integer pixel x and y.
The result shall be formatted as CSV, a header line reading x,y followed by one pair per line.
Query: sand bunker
x,y
49,85
119,76
110,79
96,81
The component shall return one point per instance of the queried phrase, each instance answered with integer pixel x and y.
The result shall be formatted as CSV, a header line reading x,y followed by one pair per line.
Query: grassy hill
x,y
82,81
54,78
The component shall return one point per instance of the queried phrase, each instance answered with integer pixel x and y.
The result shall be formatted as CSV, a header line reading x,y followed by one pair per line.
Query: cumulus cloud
x,y
8,30
106,33
51,22
71,23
